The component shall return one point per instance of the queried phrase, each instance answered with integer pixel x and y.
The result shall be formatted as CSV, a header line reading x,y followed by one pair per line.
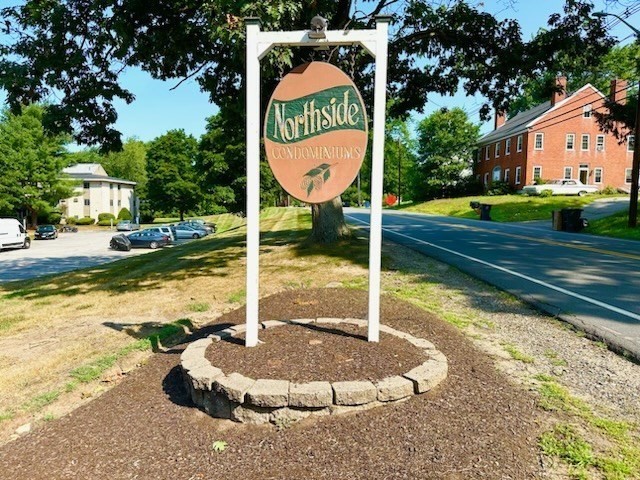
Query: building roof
x,y
93,172
517,124
523,120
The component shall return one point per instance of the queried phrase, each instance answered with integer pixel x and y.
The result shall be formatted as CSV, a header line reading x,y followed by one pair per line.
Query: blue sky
x,y
158,109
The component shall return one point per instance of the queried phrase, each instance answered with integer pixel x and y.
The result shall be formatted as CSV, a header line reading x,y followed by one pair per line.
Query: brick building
x,y
557,139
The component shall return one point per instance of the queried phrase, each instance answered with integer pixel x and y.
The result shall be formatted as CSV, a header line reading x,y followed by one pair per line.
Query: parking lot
x,y
69,251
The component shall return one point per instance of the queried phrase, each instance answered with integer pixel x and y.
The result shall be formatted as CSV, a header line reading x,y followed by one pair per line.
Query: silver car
x,y
186,231
127,226
164,229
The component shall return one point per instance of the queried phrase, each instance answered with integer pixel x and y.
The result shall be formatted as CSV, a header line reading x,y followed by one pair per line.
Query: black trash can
x,y
485,211
571,221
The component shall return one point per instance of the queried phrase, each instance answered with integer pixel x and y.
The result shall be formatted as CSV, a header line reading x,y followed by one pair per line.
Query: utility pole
x,y
635,165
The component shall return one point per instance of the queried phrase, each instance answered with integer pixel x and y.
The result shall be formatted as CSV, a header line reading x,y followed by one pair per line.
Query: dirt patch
x,y
475,425
307,353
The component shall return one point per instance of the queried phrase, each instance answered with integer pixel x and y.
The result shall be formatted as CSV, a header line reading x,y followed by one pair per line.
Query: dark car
x,y
146,239
46,232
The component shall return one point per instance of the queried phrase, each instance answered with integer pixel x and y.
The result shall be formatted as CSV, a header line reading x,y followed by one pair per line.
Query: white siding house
x,y
97,193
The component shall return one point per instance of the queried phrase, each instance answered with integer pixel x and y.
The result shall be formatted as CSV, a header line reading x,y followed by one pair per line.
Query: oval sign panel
x,y
315,132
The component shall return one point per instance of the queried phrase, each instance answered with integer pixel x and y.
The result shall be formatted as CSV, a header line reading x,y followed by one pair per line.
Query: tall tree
x,y
619,62
446,140
130,164
31,163
399,157
79,49
172,182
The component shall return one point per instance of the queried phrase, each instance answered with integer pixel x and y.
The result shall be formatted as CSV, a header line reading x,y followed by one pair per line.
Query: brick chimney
x,y
500,118
618,91
561,92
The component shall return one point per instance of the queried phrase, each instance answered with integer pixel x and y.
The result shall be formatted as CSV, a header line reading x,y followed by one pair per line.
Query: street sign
x,y
315,132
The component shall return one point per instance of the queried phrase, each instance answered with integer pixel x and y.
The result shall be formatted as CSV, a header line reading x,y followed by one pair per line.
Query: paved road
x,y
591,282
69,251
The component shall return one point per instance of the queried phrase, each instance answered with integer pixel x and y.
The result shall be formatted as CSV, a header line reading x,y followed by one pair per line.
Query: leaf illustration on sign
x,y
315,178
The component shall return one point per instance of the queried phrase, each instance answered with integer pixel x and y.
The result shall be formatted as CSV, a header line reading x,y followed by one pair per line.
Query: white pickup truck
x,y
13,234
561,187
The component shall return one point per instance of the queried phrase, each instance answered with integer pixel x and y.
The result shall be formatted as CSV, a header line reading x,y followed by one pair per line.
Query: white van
x,y
13,234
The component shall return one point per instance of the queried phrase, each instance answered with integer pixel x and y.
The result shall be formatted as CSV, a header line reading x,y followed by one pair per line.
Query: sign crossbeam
x,y
258,45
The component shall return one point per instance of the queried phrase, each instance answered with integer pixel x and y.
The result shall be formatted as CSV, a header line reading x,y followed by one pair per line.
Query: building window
x,y
600,143
119,202
506,175
87,201
627,175
584,141
539,142
507,146
571,140
597,175
111,203
586,111
496,174
519,143
111,186
518,175
486,179
631,142
118,187
75,200
537,173
86,185
486,153
497,149
568,173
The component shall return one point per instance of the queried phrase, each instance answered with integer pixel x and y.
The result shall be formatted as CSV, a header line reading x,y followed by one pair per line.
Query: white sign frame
x,y
375,42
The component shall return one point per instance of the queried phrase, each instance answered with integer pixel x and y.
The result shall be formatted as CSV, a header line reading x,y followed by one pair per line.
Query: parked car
x,y
561,187
145,239
199,224
46,232
165,229
13,234
186,231
127,226
120,242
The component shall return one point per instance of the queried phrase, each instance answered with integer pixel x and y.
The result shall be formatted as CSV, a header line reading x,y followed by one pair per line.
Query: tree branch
x,y
191,75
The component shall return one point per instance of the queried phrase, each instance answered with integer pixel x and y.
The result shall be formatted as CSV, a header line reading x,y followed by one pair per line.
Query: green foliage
x,y
565,442
615,226
219,446
172,178
129,164
31,163
72,221
499,187
546,193
199,307
446,141
106,216
517,354
84,221
124,214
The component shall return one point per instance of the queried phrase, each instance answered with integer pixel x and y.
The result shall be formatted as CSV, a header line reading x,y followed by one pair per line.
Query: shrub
x,y
72,221
125,214
107,222
106,216
146,216
498,187
546,193
85,221
609,190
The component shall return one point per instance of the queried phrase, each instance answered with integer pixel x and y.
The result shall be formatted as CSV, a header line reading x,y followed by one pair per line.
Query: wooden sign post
x,y
310,179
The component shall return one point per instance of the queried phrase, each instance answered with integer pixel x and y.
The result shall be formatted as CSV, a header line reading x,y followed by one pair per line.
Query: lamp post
x,y
635,166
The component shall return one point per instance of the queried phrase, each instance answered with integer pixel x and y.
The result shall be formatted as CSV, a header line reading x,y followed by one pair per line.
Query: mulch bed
x,y
307,353
474,425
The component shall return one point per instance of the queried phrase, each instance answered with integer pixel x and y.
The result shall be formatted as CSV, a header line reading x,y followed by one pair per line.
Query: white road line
x,y
564,291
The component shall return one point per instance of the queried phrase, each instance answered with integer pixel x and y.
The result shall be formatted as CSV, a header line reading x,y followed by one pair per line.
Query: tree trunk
x,y
181,216
328,225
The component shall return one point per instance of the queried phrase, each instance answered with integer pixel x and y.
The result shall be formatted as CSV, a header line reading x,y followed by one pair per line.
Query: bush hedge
x,y
125,214
85,221
106,216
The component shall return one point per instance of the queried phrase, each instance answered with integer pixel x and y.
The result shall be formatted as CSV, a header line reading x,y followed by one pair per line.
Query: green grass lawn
x,y
614,226
506,208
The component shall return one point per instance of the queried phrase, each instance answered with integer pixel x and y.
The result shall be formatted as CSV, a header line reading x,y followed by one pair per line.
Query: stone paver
x,y
310,395
269,393
394,388
354,393
427,375
234,386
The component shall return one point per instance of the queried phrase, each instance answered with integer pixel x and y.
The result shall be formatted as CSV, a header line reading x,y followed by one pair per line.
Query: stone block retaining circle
x,y
243,399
